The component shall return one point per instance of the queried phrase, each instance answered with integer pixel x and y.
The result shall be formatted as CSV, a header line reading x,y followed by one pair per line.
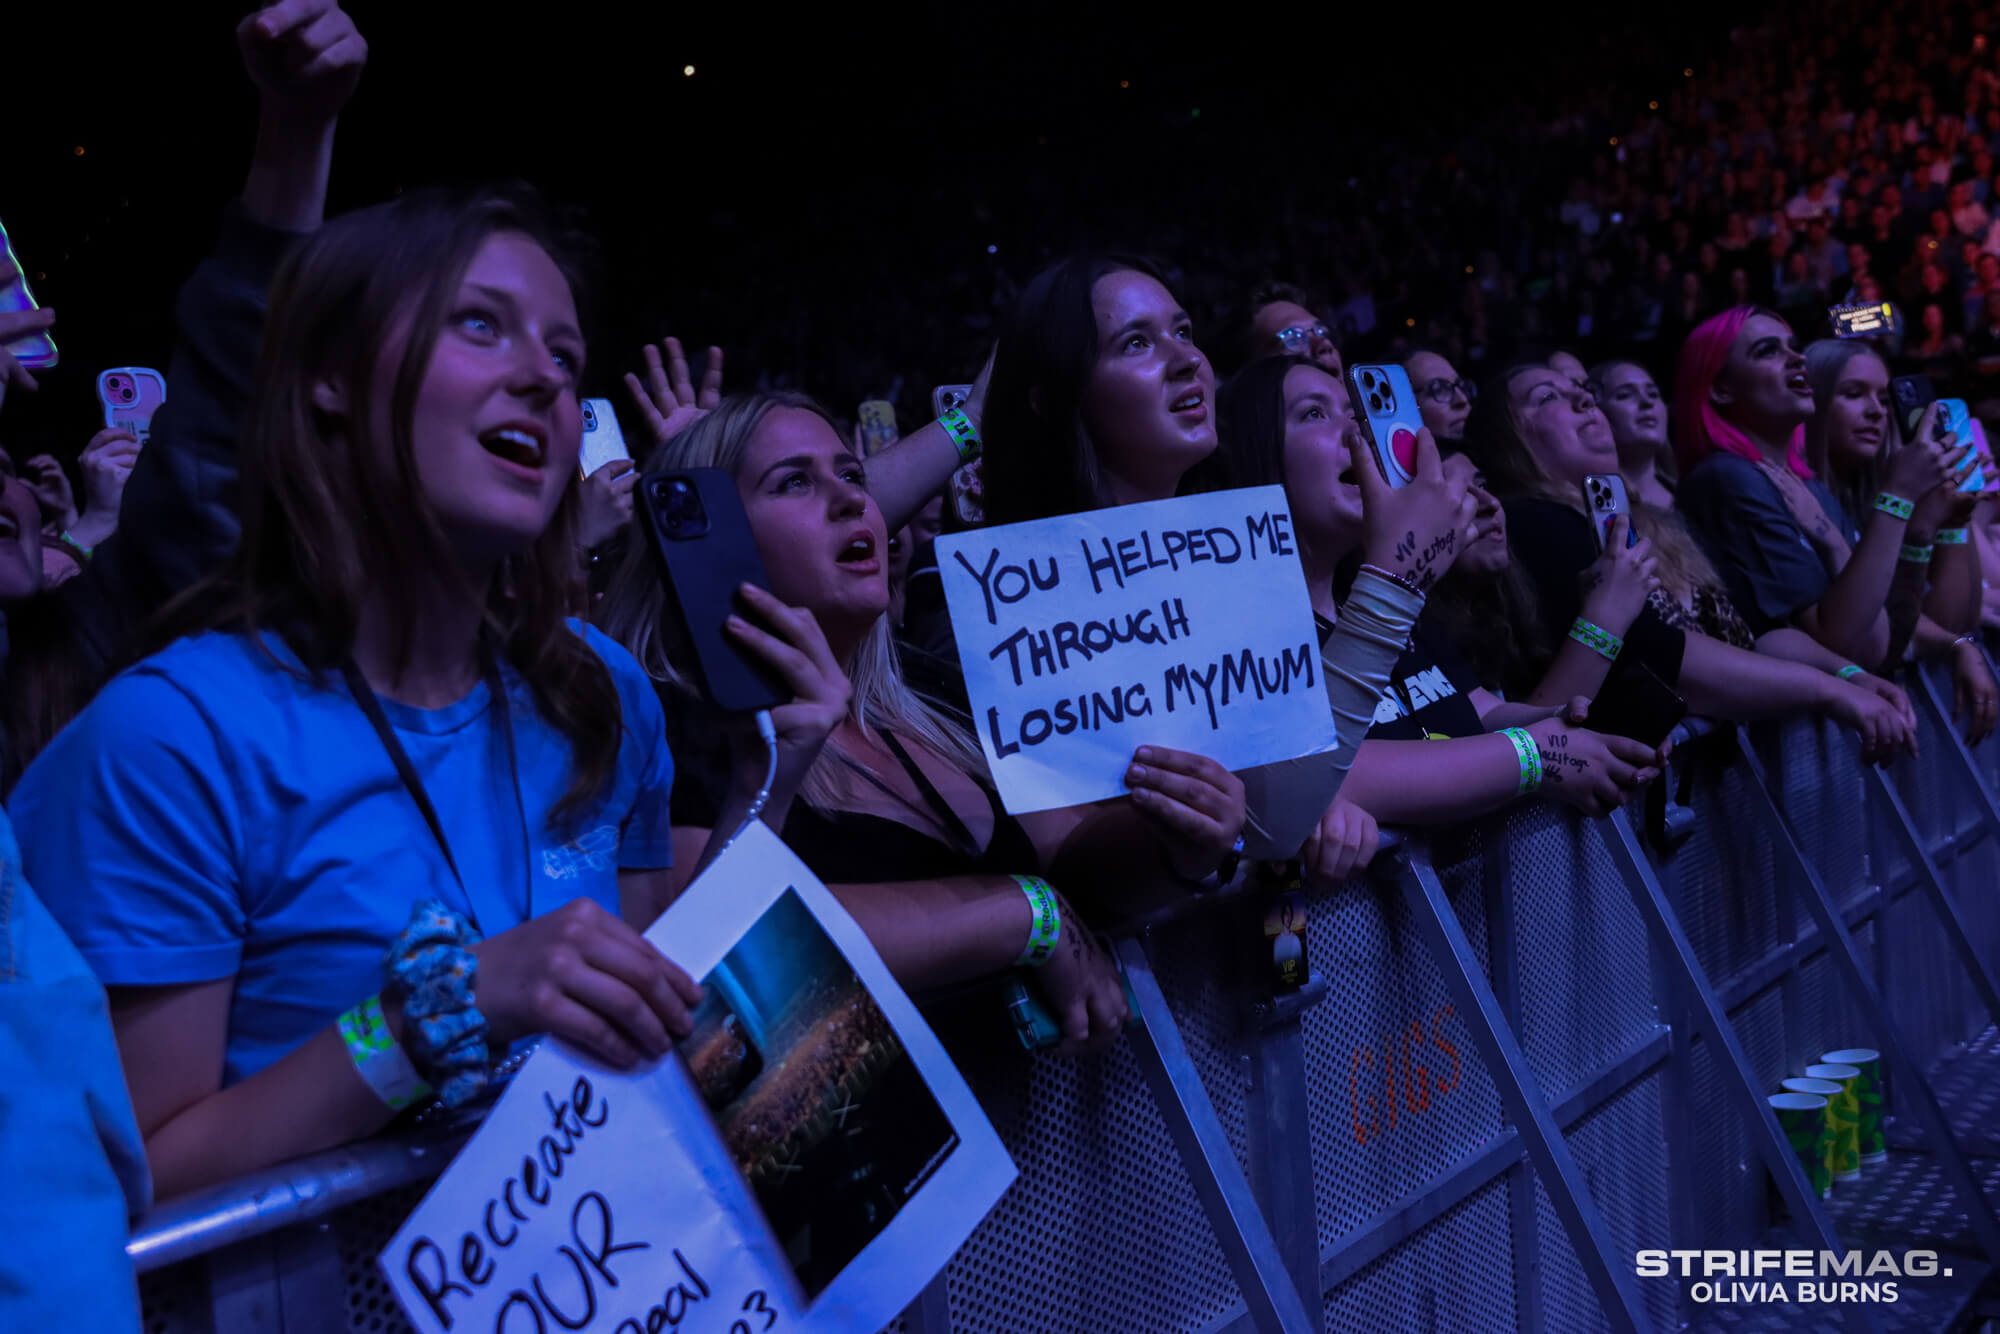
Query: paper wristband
x,y
1914,555
1950,537
1047,927
1530,756
1850,671
1894,506
964,435
1597,639
382,1064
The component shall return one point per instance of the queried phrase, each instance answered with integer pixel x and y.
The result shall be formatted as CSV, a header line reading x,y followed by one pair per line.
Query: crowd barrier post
x,y
1981,790
1280,1122
1701,1008
1231,1206
1613,1281
1864,994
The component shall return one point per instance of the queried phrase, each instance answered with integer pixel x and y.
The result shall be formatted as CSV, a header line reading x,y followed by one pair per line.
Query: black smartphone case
x,y
1910,395
1636,703
701,570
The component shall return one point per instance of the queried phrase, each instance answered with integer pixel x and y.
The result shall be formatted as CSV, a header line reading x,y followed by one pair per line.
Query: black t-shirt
x,y
1555,544
1429,696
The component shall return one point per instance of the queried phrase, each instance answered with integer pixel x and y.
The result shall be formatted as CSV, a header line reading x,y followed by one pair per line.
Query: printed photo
x,y
823,1110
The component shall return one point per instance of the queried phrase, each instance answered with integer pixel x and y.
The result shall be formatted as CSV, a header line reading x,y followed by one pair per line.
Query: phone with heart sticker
x,y
1389,418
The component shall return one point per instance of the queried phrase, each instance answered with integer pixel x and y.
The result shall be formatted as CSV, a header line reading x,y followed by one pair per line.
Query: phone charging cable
x,y
768,730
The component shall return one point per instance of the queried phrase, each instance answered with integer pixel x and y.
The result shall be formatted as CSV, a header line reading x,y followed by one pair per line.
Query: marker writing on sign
x,y
1088,712
1009,583
1049,651
425,1264
1237,675
1266,534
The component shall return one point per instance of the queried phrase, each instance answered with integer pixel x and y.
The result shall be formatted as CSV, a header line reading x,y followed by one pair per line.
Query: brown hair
x,y
1493,436
325,524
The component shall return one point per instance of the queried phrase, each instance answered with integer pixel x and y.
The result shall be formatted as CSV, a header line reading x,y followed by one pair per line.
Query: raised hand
x,y
305,56
1197,804
586,976
1592,772
790,640
1617,584
606,498
46,478
1417,530
14,326
667,400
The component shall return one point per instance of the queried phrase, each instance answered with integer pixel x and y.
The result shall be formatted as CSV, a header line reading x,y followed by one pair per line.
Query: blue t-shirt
x,y
215,813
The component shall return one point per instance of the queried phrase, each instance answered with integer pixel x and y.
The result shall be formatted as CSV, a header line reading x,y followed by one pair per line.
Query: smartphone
x,y
603,442
1911,395
948,396
1604,497
131,395
1636,703
1955,418
965,501
1389,418
37,352
878,425
707,552
1864,321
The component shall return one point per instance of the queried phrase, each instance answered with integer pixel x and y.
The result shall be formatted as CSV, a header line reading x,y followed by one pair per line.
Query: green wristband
x,y
964,435
1530,756
1950,537
1894,506
1047,926
1597,638
1850,671
1914,555
378,1059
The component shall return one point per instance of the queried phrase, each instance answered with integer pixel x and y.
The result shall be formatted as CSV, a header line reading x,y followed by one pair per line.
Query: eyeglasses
x,y
1299,335
1442,390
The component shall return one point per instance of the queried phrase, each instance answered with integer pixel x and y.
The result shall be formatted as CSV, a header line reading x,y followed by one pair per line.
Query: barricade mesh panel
x,y
1102,1231
1454,1276
1724,880
174,1300
1398,1094
1620,1148
1933,1003
364,1229
1586,987
1728,1180
1820,786
1824,1016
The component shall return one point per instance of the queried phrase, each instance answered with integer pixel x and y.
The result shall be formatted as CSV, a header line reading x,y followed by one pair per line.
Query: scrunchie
x,y
432,971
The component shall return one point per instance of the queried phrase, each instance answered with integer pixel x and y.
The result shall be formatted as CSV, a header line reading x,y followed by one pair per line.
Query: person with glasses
x,y
1443,395
1282,326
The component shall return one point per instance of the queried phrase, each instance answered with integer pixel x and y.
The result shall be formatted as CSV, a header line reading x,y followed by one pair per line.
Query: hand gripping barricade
x,y
1529,1048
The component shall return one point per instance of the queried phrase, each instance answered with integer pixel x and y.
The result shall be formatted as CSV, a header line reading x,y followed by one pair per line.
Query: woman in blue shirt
x,y
379,705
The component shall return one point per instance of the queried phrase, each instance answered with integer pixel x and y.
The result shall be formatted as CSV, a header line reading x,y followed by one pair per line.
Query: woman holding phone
x,y
883,796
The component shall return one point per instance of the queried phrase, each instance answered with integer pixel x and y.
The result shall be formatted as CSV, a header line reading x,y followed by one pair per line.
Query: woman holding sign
x,y
1100,397
880,795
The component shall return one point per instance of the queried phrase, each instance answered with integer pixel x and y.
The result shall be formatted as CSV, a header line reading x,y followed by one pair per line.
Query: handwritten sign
x,y
807,1161
1181,623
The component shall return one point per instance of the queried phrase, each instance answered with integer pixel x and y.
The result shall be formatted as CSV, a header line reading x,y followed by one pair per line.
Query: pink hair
x,y
1699,429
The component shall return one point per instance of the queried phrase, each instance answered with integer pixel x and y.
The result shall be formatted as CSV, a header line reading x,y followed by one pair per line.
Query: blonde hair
x,y
634,612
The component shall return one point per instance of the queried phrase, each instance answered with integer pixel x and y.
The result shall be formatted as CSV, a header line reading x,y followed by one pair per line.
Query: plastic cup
x,y
1802,1116
1868,1096
1843,1121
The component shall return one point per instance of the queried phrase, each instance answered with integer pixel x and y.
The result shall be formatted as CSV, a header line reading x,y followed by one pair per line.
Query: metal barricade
x,y
1403,1179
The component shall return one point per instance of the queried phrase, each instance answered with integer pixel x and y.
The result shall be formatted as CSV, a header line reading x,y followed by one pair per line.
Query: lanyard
x,y
364,696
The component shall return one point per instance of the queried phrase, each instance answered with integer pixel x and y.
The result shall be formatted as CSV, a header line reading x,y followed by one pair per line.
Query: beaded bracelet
x,y
1401,581
964,435
1047,927
1914,555
1950,537
1597,639
1530,756
380,1061
1894,506
1850,671
432,971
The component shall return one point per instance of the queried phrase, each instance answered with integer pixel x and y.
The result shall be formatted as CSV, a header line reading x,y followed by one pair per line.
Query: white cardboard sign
x,y
807,1161
1180,623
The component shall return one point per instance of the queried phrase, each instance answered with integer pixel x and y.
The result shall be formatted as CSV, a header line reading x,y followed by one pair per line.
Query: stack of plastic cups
x,y
1843,1120
1867,1086
1802,1116
1826,1091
